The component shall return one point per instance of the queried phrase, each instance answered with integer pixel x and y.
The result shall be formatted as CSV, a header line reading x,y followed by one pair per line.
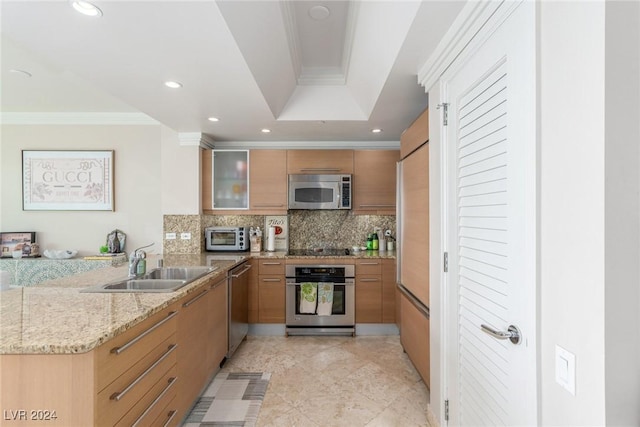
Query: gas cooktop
x,y
319,252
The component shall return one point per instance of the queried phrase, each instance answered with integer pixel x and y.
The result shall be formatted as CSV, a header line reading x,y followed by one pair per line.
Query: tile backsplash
x,y
307,229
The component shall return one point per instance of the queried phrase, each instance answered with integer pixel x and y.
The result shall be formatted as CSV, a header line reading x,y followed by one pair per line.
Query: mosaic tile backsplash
x,y
307,229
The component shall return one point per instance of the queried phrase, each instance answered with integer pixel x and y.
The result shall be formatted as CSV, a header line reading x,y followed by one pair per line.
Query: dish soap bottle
x,y
375,242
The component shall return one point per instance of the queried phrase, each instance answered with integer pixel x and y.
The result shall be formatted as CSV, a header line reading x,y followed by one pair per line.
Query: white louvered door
x,y
491,229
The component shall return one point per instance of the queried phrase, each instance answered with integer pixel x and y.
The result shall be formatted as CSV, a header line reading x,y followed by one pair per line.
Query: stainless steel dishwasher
x,y
238,282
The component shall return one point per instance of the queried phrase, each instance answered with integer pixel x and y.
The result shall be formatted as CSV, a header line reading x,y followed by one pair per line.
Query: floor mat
x,y
232,399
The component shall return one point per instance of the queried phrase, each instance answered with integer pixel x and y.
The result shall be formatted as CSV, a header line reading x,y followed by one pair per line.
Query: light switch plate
x,y
566,369
170,236
185,236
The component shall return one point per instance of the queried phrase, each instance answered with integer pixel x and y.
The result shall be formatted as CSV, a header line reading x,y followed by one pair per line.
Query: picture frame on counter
x,y
281,232
66,180
23,241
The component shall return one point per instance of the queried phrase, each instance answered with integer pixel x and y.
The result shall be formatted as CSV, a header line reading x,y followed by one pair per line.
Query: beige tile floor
x,y
334,381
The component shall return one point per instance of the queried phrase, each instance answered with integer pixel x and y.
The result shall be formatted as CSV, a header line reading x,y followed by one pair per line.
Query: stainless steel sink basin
x,y
145,285
165,279
178,273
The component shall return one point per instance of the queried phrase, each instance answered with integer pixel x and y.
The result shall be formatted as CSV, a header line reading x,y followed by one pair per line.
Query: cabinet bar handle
x,y
321,169
191,301
264,205
118,350
369,263
271,263
171,415
171,381
271,280
377,206
369,280
119,395
220,282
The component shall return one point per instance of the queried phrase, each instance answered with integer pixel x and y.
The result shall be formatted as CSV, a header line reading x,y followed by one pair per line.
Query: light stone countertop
x,y
54,317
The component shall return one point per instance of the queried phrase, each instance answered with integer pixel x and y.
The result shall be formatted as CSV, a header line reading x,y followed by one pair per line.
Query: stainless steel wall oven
x,y
332,312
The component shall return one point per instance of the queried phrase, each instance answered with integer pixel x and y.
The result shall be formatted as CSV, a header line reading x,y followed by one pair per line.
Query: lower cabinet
x,y
271,291
137,372
202,340
368,291
414,336
150,375
375,290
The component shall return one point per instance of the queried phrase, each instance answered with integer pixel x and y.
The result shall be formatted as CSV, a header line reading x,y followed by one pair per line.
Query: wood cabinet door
x,y
217,324
193,371
320,161
374,182
268,181
272,299
368,298
414,336
415,135
388,291
414,237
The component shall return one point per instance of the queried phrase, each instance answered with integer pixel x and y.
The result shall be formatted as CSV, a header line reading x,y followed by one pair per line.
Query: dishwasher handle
x,y
246,268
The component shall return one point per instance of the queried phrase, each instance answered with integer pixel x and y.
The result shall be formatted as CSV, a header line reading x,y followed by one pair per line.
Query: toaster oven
x,y
227,238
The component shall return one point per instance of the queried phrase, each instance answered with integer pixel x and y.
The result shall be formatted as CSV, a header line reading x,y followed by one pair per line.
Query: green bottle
x,y
375,243
369,242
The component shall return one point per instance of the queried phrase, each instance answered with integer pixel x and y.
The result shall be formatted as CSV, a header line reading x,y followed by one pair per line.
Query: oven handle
x,y
350,283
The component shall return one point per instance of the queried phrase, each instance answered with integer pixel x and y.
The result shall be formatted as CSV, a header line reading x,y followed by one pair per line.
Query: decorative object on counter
x,y
115,242
59,254
255,239
281,238
104,249
390,240
66,180
23,241
138,261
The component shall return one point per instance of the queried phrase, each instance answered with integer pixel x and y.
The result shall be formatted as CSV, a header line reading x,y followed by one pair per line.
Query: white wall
x,y
180,176
572,234
138,186
622,214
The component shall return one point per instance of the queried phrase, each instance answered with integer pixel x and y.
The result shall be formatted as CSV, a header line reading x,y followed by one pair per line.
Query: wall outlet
x,y
566,369
170,236
185,236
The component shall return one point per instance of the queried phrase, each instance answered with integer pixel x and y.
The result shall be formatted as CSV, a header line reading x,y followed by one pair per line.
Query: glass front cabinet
x,y
230,179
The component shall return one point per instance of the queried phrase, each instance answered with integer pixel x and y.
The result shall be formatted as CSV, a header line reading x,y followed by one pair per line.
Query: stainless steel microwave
x,y
227,238
319,191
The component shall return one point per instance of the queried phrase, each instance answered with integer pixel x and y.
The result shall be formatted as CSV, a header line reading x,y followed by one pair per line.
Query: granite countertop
x,y
54,317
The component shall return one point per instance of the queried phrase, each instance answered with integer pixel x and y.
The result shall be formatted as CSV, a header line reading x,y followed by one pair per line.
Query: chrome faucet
x,y
134,260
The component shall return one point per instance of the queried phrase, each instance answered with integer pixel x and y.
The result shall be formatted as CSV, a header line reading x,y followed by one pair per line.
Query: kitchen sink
x,y
165,279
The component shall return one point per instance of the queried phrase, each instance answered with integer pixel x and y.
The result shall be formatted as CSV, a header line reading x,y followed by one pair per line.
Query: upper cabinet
x,y
225,179
320,162
416,135
244,182
268,182
374,182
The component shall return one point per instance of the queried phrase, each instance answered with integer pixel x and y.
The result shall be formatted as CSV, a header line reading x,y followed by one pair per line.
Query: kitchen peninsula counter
x,y
54,317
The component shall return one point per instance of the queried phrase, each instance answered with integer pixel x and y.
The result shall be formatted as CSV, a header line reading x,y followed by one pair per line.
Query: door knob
x,y
512,333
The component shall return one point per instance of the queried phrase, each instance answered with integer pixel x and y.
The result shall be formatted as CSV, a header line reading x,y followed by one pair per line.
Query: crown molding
x,y
195,139
475,22
290,26
76,118
310,145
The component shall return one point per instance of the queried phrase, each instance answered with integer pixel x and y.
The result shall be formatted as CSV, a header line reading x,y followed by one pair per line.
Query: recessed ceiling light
x,y
376,130
86,8
22,73
213,119
172,84
319,13
265,130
